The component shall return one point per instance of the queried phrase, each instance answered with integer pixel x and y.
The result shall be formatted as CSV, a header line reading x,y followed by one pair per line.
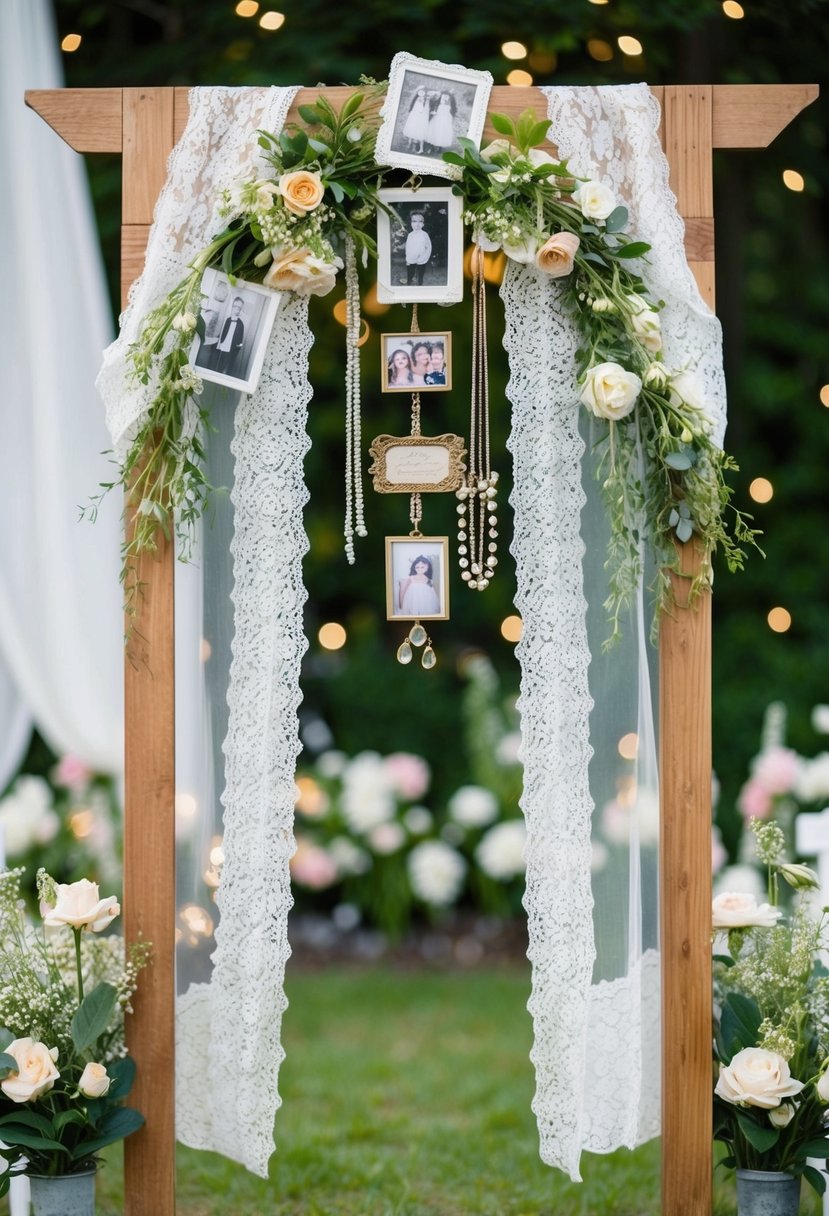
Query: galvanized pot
x,y
767,1193
63,1194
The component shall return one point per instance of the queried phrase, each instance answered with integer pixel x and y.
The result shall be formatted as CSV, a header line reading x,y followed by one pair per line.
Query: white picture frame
x,y
429,98
420,264
254,307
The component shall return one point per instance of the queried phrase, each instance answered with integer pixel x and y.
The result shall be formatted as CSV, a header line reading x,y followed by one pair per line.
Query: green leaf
x,y
7,1064
740,1022
815,1178
502,124
452,158
93,1016
299,142
814,1148
635,249
29,1118
539,132
337,190
617,220
678,460
6,1037
593,257
23,1137
122,1073
761,1138
684,530
69,1116
310,114
122,1122
725,959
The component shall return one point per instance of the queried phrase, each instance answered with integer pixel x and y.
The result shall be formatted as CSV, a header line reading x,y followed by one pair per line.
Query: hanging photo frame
x,y
420,246
232,331
417,578
417,464
416,362
430,105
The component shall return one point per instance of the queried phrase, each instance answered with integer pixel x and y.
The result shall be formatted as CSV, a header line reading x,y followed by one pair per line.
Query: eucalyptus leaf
x,y
684,530
673,519
617,220
93,1016
678,460
8,1064
593,257
337,190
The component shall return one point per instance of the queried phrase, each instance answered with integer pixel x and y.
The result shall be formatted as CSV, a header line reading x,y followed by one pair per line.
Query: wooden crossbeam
x,y
143,124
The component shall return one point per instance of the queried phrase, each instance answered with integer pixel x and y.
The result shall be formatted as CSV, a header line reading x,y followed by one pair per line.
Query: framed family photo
x,y
420,246
428,107
416,363
232,331
417,583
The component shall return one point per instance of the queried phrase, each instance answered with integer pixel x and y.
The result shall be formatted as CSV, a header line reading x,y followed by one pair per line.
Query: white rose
x,y
647,327
657,375
813,780
79,905
36,1072
436,872
822,1087
610,391
95,1081
522,251
301,271
473,806
686,387
595,200
783,1116
820,719
756,1077
501,852
738,910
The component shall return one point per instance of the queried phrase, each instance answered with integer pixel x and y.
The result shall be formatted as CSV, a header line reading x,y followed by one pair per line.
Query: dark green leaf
x,y
593,257
29,1118
69,1116
23,1137
761,1138
6,1037
502,124
122,1073
617,220
122,1122
814,1148
725,959
7,1064
93,1016
634,250
815,1178
740,1022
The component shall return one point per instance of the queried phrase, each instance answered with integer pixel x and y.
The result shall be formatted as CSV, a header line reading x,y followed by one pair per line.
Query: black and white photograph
x,y
232,331
420,246
416,363
416,578
430,105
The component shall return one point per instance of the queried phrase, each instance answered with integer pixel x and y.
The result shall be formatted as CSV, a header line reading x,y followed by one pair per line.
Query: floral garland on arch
x,y
663,475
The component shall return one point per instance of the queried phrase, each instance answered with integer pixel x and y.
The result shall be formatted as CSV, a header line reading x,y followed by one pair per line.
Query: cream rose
x,y
647,328
36,1072
685,387
610,391
79,905
595,200
756,1077
822,1087
739,910
95,1081
782,1116
555,257
300,271
657,375
301,190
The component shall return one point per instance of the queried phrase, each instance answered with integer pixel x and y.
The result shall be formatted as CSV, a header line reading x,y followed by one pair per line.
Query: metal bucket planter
x,y
766,1193
63,1194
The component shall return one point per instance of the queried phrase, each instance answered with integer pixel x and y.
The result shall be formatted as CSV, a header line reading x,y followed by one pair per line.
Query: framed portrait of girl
x,y
417,578
429,106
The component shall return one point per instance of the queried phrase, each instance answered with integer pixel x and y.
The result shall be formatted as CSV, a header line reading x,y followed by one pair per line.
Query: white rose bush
x,y
64,990
771,1026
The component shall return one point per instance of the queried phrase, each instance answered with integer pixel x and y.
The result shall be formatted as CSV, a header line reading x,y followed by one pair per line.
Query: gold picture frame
x,y
411,376
417,464
414,593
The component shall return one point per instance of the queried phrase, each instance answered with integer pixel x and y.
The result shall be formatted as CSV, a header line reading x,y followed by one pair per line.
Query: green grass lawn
x,y
408,1094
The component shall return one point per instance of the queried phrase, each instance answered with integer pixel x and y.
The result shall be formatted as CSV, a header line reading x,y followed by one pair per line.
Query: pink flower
x,y
312,867
408,774
777,769
754,800
72,773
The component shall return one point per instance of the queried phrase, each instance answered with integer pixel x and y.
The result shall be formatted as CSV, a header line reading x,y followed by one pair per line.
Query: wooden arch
x,y
143,125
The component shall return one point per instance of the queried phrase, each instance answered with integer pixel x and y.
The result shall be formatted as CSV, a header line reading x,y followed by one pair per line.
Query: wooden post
x,y
143,123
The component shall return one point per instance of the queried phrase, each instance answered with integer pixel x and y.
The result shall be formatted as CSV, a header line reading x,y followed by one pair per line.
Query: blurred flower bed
x,y
375,849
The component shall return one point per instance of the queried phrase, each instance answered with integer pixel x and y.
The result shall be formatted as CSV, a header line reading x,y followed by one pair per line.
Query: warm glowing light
x,y
599,50
732,9
197,919
332,636
247,8
518,78
779,619
761,489
205,650
340,314
793,180
629,746
511,628
598,1
824,395
80,824
70,43
186,807
371,306
217,856
629,46
543,61
513,50
494,265
272,21
312,800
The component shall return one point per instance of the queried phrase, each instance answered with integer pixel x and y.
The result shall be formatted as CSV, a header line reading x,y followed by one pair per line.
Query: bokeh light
x,y
599,50
247,8
70,43
761,489
511,628
793,180
629,45
518,78
779,619
824,395
272,21
513,50
332,636
732,9
629,746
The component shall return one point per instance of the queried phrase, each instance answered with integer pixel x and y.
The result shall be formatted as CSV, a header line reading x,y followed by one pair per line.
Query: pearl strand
x,y
354,504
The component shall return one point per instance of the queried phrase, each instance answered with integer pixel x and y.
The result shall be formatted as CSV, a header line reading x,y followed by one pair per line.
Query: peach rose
x,y
301,190
555,257
301,271
95,1081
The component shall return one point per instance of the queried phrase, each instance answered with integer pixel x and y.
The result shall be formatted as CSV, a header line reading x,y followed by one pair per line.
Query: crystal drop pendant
x,y
429,659
404,652
417,634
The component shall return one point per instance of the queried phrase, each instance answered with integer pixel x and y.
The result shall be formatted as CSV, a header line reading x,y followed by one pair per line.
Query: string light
x,y
247,8
599,50
779,619
824,396
629,45
793,180
272,21
761,489
518,78
332,636
629,746
70,43
80,824
513,50
512,628
732,9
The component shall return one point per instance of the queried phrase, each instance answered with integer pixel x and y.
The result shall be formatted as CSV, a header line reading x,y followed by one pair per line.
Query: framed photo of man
x,y
417,578
429,106
416,363
420,246
232,331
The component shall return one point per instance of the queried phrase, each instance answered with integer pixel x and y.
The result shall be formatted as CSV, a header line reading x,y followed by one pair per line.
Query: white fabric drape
x,y
588,720
60,617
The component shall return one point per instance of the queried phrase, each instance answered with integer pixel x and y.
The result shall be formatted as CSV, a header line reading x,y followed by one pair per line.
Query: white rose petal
x,y
610,391
756,1077
783,1116
812,783
645,323
595,200
95,1081
78,905
738,910
521,251
822,1087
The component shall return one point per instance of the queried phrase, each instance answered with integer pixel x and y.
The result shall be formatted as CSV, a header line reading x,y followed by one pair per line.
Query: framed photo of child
x,y
416,363
232,331
417,584
420,246
429,106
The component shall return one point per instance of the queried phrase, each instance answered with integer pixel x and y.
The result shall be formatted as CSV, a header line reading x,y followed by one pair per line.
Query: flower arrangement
x,y
771,1096
519,199
64,1071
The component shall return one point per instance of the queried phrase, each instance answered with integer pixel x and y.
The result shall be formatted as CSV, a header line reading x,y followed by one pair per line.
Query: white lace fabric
x,y
596,1022
227,1097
